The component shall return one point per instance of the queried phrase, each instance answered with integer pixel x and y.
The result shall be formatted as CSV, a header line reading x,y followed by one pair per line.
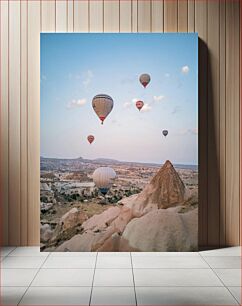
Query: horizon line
x,y
121,161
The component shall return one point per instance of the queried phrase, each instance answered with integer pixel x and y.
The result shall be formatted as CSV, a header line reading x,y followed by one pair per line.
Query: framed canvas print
x,y
119,142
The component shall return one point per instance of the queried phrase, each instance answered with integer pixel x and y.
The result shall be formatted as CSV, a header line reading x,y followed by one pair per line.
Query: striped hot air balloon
x,y
144,79
139,105
103,178
90,138
165,132
102,105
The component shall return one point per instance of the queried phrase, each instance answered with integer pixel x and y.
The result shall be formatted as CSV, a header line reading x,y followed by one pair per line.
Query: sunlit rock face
x,y
160,218
161,230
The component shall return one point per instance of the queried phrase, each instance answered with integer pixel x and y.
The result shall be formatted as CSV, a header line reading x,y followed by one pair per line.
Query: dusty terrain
x,y
69,199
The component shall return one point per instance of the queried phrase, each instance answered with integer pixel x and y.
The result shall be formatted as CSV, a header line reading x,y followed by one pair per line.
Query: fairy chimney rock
x,y
166,189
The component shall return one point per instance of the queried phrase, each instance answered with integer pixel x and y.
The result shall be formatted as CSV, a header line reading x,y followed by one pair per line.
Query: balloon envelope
x,y
165,132
103,178
139,105
144,79
90,138
102,105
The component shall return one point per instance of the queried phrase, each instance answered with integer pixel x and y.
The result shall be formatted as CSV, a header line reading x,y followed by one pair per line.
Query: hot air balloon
x,y
165,132
144,79
102,105
139,105
90,138
103,178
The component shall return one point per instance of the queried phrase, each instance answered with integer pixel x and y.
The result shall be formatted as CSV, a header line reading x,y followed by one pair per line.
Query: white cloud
x,y
167,75
76,103
185,69
88,78
158,98
146,108
127,104
132,102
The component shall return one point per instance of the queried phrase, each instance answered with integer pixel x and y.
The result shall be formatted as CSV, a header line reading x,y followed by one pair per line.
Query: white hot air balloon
x,y
102,105
103,178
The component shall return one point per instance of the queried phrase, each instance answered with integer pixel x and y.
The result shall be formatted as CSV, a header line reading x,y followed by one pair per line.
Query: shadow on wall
x,y
209,176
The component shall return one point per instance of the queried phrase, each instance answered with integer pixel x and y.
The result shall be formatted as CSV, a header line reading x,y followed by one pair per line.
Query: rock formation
x,y
161,230
99,222
149,221
166,189
72,218
45,232
44,207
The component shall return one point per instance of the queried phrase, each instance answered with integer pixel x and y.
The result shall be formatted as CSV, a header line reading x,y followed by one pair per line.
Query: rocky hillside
x,y
160,218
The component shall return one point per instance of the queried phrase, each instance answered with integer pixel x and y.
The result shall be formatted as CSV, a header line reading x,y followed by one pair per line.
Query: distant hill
x,y
42,158
182,166
106,160
52,163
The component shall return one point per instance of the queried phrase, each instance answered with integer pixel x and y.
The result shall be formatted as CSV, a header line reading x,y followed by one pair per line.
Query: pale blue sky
x,y
76,67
